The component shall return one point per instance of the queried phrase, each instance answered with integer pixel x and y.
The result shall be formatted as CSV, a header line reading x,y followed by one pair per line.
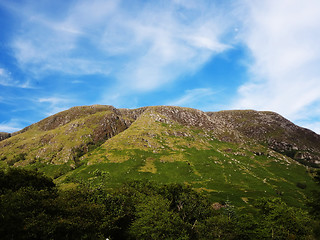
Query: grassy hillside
x,y
156,147
226,155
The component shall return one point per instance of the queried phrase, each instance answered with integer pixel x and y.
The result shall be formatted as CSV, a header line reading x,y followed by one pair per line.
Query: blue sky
x,y
205,54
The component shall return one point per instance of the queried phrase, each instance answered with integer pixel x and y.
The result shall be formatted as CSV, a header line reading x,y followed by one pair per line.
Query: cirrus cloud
x,y
142,49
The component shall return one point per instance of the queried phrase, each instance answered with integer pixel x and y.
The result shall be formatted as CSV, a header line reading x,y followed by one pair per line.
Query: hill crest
x,y
65,136
234,155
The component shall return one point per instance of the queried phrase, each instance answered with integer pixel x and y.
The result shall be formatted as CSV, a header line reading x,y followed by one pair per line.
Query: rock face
x,y
4,135
274,130
66,136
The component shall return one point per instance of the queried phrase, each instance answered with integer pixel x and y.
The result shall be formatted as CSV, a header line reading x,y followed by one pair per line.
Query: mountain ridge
x,y
238,154
106,121
277,132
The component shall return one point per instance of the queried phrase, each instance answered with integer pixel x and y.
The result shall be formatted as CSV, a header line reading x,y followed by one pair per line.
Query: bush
x,y
301,185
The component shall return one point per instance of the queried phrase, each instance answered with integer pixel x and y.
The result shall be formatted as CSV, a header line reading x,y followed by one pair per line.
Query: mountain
x,y
228,154
275,131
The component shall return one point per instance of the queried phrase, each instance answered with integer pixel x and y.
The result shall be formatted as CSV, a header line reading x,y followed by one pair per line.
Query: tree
x,y
314,203
15,178
190,205
31,208
155,220
279,221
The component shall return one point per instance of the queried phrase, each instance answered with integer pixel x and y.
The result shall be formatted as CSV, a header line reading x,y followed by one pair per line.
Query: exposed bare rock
x,y
274,130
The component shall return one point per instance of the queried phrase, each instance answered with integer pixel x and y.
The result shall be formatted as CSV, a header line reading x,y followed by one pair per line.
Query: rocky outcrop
x,y
197,119
68,134
274,130
4,135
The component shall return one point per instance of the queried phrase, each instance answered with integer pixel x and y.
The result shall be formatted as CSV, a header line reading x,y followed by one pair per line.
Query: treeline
x,y
32,207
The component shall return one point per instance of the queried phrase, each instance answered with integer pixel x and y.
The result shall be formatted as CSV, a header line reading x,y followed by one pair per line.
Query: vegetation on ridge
x,y
159,171
165,144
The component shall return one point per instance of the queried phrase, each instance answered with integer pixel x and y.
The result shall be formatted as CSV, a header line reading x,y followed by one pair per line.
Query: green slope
x,y
157,147
225,154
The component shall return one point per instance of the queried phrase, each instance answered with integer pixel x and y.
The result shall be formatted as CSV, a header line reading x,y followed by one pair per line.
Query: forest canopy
x,y
32,207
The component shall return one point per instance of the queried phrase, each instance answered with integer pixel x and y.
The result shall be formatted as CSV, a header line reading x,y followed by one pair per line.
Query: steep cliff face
x,y
275,131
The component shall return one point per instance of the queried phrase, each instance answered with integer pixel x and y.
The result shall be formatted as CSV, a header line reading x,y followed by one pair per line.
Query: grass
x,y
166,152
225,171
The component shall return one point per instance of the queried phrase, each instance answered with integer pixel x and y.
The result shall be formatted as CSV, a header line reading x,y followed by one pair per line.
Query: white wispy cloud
x,y
10,126
53,100
77,81
201,98
7,80
45,43
283,40
145,45
54,104
172,44
142,49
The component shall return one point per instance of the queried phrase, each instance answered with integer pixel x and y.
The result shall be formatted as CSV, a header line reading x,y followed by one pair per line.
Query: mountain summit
x,y
64,136
248,152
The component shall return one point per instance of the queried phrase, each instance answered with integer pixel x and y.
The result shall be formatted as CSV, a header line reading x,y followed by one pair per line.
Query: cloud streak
x,y
143,50
10,126
284,71
200,98
55,104
121,52
7,80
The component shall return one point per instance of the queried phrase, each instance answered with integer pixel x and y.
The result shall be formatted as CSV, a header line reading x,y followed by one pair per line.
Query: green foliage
x,y
317,177
77,217
31,214
278,221
229,210
22,213
301,185
32,208
314,205
15,178
290,153
217,227
236,174
190,205
92,146
17,158
154,220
